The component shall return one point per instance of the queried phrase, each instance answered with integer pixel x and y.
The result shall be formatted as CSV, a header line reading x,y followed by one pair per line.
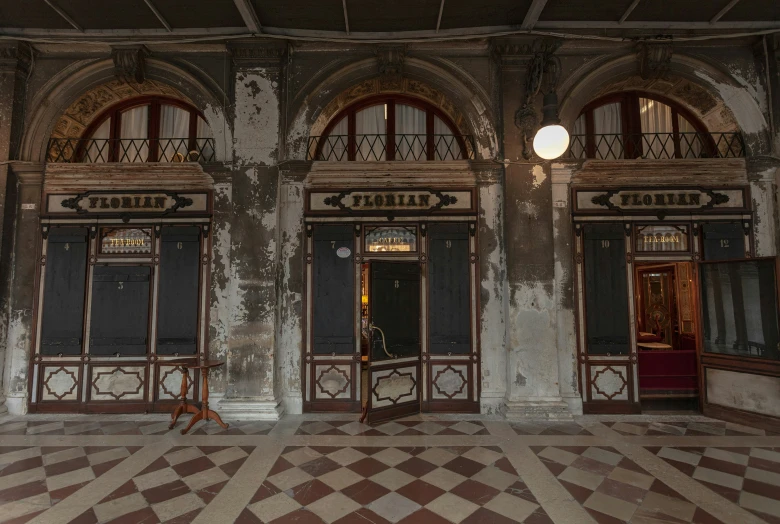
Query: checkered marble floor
x,y
402,428
749,477
332,469
613,488
416,484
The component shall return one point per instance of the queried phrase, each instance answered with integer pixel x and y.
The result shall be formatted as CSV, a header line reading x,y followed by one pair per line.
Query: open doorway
x,y
666,336
390,340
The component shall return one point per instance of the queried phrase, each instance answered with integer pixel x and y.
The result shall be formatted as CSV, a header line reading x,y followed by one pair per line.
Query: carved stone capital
x,y
390,66
15,56
654,59
294,171
129,63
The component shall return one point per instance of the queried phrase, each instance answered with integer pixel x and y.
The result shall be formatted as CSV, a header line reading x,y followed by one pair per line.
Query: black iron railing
x,y
657,146
400,147
131,150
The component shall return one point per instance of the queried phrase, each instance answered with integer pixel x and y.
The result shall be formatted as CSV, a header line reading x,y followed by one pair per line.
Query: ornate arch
x,y
714,97
452,92
71,99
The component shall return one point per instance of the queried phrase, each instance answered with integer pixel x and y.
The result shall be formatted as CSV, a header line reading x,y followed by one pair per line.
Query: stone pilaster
x,y
763,173
18,269
532,333
492,290
14,67
289,311
254,233
561,174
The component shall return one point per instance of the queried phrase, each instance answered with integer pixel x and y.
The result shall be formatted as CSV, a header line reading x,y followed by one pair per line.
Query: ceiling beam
x,y
249,15
629,10
724,11
691,26
346,16
159,15
64,15
441,11
532,16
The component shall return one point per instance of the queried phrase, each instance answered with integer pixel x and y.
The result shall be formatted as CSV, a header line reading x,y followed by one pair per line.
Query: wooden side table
x,y
204,413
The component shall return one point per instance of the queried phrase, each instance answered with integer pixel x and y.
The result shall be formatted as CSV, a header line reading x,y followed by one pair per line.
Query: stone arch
x,y
76,95
715,97
451,91
91,104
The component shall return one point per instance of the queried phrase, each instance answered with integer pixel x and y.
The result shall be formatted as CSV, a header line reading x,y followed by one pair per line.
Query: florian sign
x,y
394,201
123,204
659,200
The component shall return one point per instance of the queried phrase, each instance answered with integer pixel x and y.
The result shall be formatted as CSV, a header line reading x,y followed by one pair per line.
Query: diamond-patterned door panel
x,y
613,488
749,477
33,479
372,484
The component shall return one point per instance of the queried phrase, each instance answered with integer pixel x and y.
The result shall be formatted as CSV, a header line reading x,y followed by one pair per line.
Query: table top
x,y
194,364
653,345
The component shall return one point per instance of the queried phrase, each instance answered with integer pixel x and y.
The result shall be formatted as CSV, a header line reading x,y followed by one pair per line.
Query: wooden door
x,y
607,351
451,367
63,307
177,318
740,340
332,358
394,351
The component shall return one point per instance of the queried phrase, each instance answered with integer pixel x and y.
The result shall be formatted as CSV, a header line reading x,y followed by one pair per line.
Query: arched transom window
x,y
641,125
148,129
390,128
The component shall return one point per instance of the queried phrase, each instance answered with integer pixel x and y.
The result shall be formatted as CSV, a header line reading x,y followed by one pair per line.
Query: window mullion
x,y
390,131
153,131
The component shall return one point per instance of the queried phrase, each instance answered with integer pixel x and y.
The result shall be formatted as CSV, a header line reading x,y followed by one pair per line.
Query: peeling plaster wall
x,y
219,304
290,295
253,238
492,291
20,297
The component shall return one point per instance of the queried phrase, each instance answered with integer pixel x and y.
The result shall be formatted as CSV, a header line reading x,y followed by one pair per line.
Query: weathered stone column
x,y
492,296
564,285
289,321
219,297
19,270
763,174
254,234
532,333
14,68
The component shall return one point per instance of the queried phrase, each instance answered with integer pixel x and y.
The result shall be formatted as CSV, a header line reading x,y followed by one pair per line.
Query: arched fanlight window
x,y
148,129
639,125
390,128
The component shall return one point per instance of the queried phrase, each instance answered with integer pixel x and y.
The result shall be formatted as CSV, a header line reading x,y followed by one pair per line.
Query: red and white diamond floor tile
x,y
612,488
174,488
749,477
402,428
469,484
128,427
687,428
32,479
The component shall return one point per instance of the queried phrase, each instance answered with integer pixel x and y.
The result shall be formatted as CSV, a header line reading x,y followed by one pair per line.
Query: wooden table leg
x,y
205,413
183,407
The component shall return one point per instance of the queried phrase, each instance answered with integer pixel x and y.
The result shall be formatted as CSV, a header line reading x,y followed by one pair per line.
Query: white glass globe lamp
x,y
552,139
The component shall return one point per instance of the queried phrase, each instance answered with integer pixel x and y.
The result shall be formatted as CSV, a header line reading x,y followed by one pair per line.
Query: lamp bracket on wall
x,y
543,73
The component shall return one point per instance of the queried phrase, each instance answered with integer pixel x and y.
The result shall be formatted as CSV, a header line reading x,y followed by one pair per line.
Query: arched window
x,y
640,125
148,129
390,128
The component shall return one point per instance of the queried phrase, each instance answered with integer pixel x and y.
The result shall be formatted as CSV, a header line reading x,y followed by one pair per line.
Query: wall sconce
x,y
551,140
